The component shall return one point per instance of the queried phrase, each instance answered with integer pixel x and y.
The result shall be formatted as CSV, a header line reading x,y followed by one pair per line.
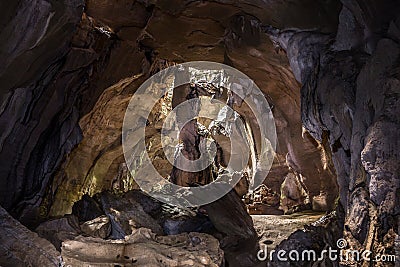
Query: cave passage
x,y
199,133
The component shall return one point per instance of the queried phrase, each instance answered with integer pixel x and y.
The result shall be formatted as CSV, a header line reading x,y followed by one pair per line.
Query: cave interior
x,y
308,136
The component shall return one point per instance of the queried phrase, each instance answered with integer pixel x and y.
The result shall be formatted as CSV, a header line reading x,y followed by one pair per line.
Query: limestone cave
x,y
200,133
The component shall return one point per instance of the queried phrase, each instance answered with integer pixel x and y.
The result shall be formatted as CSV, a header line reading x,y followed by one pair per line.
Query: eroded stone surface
x,y
273,229
98,227
21,247
143,248
350,97
126,214
59,230
124,41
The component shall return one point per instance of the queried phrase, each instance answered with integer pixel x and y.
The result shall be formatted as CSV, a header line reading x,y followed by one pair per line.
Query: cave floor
x,y
273,229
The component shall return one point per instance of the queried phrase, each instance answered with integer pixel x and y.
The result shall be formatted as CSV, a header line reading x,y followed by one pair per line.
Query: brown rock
x,y
98,227
21,247
240,242
143,248
293,193
126,214
59,230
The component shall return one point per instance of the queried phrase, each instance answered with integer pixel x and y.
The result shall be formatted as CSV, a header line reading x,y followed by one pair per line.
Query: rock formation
x,y
74,95
142,248
21,247
349,95
328,69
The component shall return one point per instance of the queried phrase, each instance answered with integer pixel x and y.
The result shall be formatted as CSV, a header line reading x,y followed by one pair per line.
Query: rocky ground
x,y
273,229
132,229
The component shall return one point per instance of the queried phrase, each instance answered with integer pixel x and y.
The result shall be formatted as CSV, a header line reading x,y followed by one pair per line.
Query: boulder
x,y
126,213
86,209
98,227
59,230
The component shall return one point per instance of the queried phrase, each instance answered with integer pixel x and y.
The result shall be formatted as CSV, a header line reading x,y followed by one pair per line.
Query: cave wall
x,y
38,116
350,99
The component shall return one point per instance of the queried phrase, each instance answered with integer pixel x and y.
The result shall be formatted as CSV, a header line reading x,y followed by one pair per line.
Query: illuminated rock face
x,y
330,74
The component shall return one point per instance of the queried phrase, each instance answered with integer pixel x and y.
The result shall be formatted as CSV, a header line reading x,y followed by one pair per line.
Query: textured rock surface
x,y
59,230
98,227
70,66
301,232
87,209
263,201
273,229
120,213
69,69
293,194
21,247
240,241
38,121
350,99
143,248
126,214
